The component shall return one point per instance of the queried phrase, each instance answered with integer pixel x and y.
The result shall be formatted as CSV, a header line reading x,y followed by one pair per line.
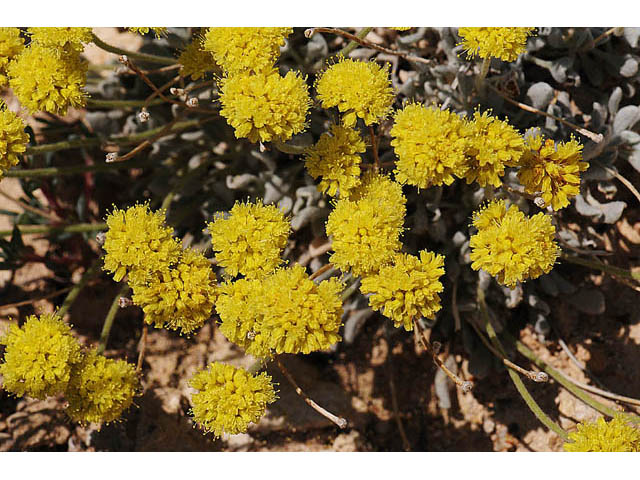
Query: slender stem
x,y
353,44
622,179
108,320
603,267
374,147
99,103
320,271
143,347
288,148
33,300
77,288
30,208
339,421
515,378
484,69
144,57
81,169
77,228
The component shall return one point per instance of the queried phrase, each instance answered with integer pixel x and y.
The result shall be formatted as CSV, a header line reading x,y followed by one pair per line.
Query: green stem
x,y
79,169
143,57
75,291
100,103
96,141
108,320
575,390
352,45
515,378
484,69
603,267
77,228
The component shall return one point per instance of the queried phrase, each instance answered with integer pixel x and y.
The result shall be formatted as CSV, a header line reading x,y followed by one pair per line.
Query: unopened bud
x,y
192,102
263,148
541,377
309,32
466,386
111,157
143,116
539,202
100,238
123,59
176,91
124,302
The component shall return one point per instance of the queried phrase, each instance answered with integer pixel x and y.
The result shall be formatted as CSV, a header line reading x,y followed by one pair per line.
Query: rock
x,y
349,442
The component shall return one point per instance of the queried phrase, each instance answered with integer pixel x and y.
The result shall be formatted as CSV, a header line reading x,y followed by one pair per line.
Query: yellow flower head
x,y
552,170
400,29
240,315
366,227
492,145
500,42
158,31
138,239
359,90
180,297
101,389
250,240
299,316
229,398
39,357
242,49
194,60
11,44
336,158
601,436
61,37
265,106
429,145
48,79
13,139
408,289
510,246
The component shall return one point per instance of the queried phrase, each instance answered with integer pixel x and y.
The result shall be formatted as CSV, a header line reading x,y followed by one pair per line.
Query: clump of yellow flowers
x,y
61,37
552,170
505,43
11,44
336,158
195,61
602,436
13,138
39,357
359,90
511,246
228,398
158,31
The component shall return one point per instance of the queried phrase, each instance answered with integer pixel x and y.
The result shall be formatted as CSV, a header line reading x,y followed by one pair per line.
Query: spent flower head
x,y
240,49
39,357
228,398
101,389
429,145
505,43
336,159
61,37
552,170
48,79
407,289
180,297
13,139
359,90
265,106
11,44
492,145
250,240
138,239
602,436
511,246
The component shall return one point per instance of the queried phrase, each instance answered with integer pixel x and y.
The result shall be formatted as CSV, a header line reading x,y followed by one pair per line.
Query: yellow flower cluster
x,y
158,31
39,357
602,436
11,44
407,289
138,239
241,49
250,240
511,246
61,37
500,42
13,139
229,398
429,144
42,358
101,389
552,170
265,106
180,297
194,60
239,316
366,226
491,145
359,90
48,79
336,158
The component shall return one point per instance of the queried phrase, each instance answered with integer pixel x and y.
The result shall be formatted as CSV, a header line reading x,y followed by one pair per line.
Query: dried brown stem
x,y
320,271
339,421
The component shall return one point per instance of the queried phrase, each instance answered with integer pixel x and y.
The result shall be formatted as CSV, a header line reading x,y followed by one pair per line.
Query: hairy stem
x,y
108,320
76,228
